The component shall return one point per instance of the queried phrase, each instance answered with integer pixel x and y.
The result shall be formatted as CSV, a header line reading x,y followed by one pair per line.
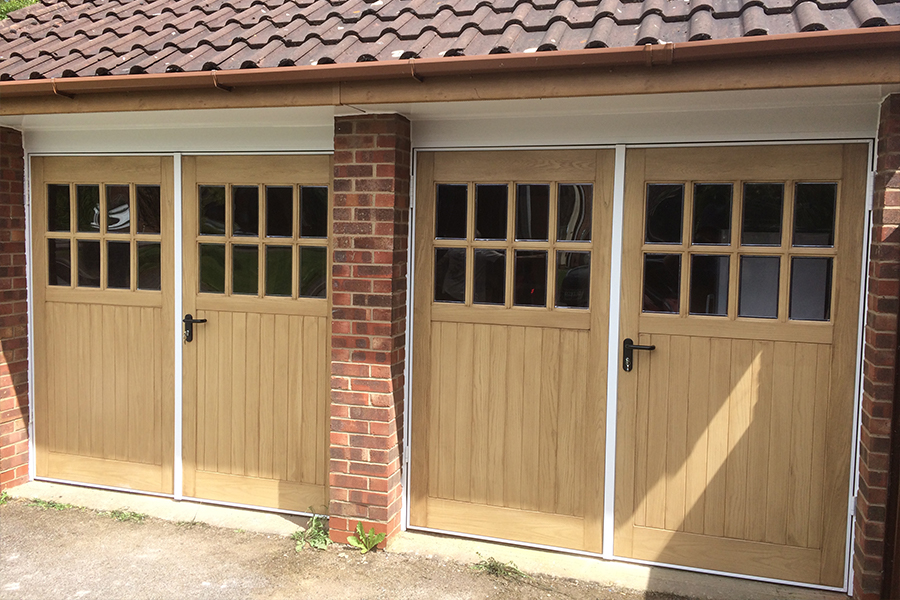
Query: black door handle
x,y
628,348
189,321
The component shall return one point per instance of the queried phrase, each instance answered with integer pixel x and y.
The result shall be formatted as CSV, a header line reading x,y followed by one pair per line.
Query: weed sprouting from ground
x,y
48,504
492,566
315,534
4,497
191,524
125,516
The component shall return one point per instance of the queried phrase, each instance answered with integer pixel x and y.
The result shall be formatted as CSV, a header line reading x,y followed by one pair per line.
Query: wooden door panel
x,y
508,403
104,399
734,433
256,373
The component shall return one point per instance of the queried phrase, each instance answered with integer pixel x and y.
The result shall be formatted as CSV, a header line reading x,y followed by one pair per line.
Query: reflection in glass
x,y
712,213
212,268
118,265
148,264
88,264
662,283
450,275
59,260
532,212
245,273
147,208
118,211
761,223
212,209
313,272
574,212
279,211
490,276
490,212
573,279
313,211
665,208
814,205
450,217
245,210
88,207
758,293
709,285
278,270
810,289
58,208
530,278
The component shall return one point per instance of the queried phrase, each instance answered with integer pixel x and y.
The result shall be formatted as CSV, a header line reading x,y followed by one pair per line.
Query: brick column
x,y
13,313
880,360
370,230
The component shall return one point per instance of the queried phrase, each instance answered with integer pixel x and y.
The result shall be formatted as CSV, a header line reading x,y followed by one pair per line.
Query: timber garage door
x,y
103,344
510,344
256,374
742,268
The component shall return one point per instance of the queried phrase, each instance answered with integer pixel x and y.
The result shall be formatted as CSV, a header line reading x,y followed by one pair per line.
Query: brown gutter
x,y
875,38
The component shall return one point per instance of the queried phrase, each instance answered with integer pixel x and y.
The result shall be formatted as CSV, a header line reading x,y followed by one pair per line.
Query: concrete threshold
x,y
557,564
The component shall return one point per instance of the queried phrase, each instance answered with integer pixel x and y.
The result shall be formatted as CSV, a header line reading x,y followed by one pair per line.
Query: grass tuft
x,y
492,566
48,504
125,516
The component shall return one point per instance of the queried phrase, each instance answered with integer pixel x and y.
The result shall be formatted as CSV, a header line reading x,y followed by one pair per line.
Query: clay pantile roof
x,y
83,38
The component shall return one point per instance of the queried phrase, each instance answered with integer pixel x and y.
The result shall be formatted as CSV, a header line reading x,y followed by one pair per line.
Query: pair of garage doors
x,y
740,267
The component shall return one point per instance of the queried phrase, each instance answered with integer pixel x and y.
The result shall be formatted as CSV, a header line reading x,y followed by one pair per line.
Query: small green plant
x,y
315,534
492,566
48,504
4,497
125,516
190,524
365,541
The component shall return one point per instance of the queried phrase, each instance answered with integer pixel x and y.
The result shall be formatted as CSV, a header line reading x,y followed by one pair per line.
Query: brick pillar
x,y
880,360
371,225
13,313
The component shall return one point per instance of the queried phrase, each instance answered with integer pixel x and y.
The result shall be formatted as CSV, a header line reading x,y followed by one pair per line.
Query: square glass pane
x,y
574,209
758,292
118,209
709,285
88,207
530,278
450,275
810,289
58,218
532,212
279,211
814,207
245,210
148,259
712,213
665,211
313,211
278,270
88,264
662,283
212,268
490,212
118,265
451,212
148,219
761,222
245,273
212,210
313,272
59,259
490,276
573,279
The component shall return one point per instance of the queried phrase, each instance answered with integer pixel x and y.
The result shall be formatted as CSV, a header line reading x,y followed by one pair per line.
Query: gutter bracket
x,y
662,53
217,85
412,71
59,93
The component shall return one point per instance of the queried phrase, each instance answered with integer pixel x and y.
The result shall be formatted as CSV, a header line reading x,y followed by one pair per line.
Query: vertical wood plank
x,y
676,431
82,326
434,411
531,417
309,410
780,443
252,407
817,475
323,398
239,387
96,374
280,408
697,435
548,439
760,420
480,413
267,395
637,436
804,403
108,357
211,401
512,449
226,392
122,384
739,406
465,351
446,432
567,485
717,458
657,432
295,399
497,415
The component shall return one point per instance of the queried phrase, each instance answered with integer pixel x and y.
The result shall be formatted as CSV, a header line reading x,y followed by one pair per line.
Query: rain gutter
x,y
663,53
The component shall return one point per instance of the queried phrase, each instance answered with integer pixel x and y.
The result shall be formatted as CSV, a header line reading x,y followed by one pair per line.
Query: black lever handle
x,y
189,321
628,348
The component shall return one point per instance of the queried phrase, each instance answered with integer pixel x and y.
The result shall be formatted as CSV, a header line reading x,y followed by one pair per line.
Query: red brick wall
x,y
370,231
13,314
880,359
